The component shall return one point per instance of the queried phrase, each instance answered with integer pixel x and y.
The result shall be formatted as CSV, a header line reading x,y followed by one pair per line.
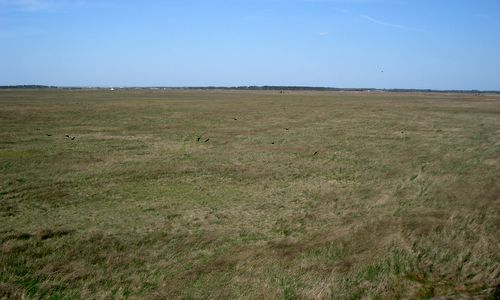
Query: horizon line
x,y
246,87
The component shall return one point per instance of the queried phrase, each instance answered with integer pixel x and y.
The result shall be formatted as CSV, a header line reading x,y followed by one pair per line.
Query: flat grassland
x,y
248,194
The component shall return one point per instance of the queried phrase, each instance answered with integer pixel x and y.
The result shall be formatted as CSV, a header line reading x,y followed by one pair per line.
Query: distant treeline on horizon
x,y
253,87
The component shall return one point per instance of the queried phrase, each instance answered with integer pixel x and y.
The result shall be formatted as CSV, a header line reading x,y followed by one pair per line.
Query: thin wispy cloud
x,y
257,15
323,33
379,22
40,5
30,5
342,11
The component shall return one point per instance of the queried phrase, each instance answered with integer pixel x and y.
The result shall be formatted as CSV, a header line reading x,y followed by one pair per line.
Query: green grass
x,y
401,200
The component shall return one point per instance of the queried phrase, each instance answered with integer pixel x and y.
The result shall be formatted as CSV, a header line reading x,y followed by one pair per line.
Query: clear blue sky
x,y
438,44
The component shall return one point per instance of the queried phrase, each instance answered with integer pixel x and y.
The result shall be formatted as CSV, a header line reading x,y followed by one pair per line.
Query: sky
x,y
424,44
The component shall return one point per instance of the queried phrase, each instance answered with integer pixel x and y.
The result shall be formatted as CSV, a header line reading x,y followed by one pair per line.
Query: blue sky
x,y
438,44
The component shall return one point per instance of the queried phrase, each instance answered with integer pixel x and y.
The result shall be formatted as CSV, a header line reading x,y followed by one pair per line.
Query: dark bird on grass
x,y
315,153
198,139
235,119
49,134
67,136
272,143
207,140
287,128
73,138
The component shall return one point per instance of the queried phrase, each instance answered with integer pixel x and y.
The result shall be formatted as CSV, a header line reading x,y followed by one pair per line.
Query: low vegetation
x,y
249,194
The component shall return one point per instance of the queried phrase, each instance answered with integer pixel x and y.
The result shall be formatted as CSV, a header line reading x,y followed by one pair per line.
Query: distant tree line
x,y
313,88
261,88
27,86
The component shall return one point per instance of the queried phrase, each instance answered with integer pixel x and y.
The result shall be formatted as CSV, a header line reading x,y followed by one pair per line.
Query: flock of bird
x,y
198,139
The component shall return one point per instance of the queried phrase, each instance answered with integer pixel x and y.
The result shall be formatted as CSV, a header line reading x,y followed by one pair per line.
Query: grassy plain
x,y
295,195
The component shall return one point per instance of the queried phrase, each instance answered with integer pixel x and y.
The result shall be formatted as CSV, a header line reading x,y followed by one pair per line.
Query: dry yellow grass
x,y
401,199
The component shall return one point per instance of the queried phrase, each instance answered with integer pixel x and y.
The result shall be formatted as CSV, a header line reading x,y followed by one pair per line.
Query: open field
x,y
295,195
